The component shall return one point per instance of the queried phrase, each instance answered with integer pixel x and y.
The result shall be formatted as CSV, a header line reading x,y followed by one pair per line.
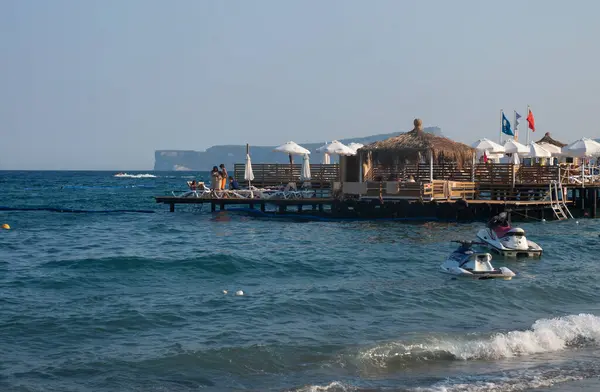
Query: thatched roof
x,y
549,140
416,144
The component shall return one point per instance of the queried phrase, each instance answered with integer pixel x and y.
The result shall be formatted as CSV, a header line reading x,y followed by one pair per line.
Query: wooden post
x,y
262,206
594,202
222,206
299,207
172,207
213,207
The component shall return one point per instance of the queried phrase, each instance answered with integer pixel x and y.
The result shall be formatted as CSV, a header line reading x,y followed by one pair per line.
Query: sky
x,y
102,84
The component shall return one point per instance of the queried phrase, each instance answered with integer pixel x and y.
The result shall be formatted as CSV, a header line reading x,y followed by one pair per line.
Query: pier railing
x,y
490,173
274,174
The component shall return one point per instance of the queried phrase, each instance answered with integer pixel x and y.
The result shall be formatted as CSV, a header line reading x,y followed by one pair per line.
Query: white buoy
x,y
577,222
543,220
239,292
224,291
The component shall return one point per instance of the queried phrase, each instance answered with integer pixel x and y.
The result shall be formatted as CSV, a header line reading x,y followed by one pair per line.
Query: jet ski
x,y
507,241
464,262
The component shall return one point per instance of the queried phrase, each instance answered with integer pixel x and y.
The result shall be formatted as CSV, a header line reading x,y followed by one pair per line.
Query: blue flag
x,y
517,122
506,126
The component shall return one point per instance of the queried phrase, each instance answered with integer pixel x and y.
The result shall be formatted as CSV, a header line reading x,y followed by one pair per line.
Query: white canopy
x,y
582,148
514,147
487,145
305,175
355,146
291,148
535,151
336,148
554,150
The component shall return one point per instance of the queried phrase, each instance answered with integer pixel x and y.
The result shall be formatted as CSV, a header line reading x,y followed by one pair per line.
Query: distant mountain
x,y
167,160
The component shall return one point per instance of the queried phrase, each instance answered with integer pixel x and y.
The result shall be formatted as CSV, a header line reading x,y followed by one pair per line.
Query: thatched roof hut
x,y
417,145
549,140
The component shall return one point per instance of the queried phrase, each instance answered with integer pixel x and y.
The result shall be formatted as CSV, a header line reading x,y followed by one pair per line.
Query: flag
x,y
485,158
506,126
531,121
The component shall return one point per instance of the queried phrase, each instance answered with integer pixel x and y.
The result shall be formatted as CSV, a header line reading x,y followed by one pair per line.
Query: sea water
x,y
102,289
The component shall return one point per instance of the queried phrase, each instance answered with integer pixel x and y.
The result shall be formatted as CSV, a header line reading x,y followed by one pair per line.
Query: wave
x,y
546,335
126,175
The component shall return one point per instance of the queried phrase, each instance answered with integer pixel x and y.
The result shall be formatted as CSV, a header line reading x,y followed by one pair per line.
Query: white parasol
x,y
582,148
536,151
305,175
554,150
336,148
292,149
514,147
488,146
355,146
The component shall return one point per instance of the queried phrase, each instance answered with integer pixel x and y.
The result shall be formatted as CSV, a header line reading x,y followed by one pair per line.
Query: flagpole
x,y
528,125
500,133
516,135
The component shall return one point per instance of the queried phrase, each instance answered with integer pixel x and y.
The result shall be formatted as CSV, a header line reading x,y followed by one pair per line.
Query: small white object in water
x,y
577,222
543,220
224,291
239,292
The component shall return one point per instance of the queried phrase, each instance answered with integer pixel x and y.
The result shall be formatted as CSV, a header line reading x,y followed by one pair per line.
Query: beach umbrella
x,y
248,174
582,148
326,160
355,146
514,159
291,149
488,146
336,148
536,151
554,150
305,175
514,147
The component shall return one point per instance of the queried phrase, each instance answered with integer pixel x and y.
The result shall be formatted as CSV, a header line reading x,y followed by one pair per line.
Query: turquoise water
x,y
132,300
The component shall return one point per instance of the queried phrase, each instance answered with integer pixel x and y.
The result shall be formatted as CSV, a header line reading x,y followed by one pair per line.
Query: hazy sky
x,y
102,84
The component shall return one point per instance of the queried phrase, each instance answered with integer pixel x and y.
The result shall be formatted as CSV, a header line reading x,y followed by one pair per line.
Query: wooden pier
x,y
474,192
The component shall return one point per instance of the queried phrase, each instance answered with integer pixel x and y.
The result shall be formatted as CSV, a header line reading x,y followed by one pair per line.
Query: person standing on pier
x,y
215,179
223,176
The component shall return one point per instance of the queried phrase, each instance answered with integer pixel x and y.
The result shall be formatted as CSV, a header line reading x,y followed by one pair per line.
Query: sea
x,y
103,289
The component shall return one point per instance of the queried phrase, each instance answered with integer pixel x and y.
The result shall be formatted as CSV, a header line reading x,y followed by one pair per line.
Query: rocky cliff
x,y
167,160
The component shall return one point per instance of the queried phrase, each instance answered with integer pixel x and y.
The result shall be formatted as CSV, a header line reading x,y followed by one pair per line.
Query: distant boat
x,y
181,168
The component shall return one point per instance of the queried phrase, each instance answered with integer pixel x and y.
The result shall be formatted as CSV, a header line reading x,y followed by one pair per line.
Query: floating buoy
x,y
224,291
577,222
239,292
6,226
543,220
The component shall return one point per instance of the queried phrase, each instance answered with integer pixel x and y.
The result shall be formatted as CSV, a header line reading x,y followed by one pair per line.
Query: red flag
x,y
485,158
531,121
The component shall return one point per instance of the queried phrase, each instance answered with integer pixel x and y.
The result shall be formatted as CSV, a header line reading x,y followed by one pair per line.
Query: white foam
x,y
546,335
334,386
125,175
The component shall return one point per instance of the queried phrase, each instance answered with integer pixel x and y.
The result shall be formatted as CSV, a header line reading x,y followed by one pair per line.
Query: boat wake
x,y
126,175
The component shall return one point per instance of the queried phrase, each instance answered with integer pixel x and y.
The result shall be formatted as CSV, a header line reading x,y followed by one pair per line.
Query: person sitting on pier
x,y
215,179
233,184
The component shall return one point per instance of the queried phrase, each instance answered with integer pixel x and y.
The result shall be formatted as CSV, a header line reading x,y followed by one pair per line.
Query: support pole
x,y
172,207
